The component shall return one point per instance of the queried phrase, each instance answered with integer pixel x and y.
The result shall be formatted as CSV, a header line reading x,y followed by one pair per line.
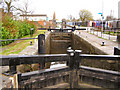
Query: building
x,y
40,20
52,23
119,10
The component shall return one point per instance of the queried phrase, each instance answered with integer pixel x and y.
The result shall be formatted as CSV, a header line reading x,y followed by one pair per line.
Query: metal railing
x,y
107,34
17,39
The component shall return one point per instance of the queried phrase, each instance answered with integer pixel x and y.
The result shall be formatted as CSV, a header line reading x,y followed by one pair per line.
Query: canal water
x,y
59,42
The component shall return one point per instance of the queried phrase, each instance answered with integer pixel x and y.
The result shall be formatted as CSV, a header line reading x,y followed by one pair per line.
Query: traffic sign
x,y
99,13
47,19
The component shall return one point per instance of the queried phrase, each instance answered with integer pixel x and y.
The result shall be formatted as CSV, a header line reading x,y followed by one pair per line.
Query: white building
x,y
33,17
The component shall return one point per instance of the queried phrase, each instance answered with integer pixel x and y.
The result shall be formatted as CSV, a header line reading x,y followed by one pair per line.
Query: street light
x,y
102,17
102,22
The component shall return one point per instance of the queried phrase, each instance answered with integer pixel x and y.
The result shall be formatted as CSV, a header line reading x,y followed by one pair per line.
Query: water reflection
x,y
57,64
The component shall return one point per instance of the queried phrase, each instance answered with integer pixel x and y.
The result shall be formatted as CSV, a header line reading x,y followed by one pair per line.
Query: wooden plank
x,y
25,59
63,41
45,71
15,80
100,70
100,57
34,15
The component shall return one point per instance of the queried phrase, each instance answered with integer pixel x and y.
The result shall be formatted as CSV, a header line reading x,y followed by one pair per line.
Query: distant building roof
x,y
34,15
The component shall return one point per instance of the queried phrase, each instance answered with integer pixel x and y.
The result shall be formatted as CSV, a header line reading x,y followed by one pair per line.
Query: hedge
x,y
14,29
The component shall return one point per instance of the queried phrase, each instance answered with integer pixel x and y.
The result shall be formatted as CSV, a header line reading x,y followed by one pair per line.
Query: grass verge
x,y
17,46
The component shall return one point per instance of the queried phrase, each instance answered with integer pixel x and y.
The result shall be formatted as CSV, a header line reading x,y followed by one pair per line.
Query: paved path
x,y
96,41
11,44
30,50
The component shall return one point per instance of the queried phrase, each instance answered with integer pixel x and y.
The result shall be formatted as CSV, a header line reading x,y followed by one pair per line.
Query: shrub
x,y
13,29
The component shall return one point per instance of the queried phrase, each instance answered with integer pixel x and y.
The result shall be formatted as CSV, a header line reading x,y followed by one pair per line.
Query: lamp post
x,y
102,24
102,18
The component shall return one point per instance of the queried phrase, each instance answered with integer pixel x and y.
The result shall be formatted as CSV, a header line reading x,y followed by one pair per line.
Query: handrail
x,y
17,39
100,70
99,57
26,59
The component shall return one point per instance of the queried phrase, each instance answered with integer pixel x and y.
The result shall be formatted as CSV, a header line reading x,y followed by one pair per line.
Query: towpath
x,y
96,41
6,80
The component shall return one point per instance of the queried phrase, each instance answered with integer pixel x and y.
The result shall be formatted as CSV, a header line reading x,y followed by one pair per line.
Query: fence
x,y
107,34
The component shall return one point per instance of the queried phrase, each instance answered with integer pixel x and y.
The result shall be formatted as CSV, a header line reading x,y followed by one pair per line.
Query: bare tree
x,y
25,9
1,1
70,17
85,15
74,19
8,5
108,18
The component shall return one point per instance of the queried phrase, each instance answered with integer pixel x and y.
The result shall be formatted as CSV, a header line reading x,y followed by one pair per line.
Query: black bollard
x,y
103,43
41,44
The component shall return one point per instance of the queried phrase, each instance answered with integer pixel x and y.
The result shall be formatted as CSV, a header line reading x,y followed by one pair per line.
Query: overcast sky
x,y
64,8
